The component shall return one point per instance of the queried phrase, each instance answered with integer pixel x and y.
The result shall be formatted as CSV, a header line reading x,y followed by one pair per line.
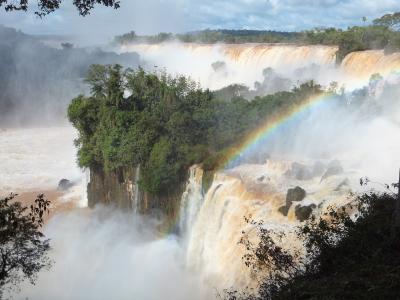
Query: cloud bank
x,y
148,17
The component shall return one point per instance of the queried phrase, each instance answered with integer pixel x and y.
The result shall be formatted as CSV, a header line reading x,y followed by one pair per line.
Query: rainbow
x,y
271,125
259,135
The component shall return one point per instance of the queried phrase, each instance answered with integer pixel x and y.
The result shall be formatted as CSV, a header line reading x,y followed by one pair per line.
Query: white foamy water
x,y
34,159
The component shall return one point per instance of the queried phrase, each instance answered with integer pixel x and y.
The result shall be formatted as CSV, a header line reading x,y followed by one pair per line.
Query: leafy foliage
x,y
344,254
389,20
23,247
164,123
46,7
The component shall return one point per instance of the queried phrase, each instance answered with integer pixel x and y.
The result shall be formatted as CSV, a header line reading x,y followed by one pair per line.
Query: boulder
x,y
64,184
295,194
304,212
284,210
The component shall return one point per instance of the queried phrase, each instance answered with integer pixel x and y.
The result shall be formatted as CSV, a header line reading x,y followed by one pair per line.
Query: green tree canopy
x,y
45,7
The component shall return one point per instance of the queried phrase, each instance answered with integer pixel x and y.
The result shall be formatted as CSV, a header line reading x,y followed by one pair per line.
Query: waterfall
x,y
84,183
191,201
256,191
136,194
361,65
244,63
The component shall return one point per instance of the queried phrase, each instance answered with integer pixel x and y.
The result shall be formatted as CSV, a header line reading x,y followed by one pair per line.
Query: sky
x,y
152,16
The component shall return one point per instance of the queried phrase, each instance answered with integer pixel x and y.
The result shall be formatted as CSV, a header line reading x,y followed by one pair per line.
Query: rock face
x,y
121,189
304,212
296,194
64,184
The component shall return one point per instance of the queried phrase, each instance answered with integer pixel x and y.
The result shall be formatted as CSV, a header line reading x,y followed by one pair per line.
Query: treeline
x,y
209,36
164,123
37,82
382,34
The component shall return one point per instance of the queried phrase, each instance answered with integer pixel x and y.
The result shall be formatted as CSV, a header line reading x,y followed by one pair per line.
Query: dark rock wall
x,y
118,189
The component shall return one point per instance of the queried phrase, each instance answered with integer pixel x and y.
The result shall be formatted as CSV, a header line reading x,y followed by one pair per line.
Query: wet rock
x,y
295,194
299,172
334,168
284,210
218,65
261,178
302,213
64,184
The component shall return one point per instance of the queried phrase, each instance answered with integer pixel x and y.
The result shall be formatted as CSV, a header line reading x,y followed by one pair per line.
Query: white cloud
x,y
183,15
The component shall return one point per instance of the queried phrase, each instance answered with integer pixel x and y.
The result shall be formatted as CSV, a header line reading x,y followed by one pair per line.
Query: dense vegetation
x,y
346,258
45,7
382,34
23,247
165,124
214,36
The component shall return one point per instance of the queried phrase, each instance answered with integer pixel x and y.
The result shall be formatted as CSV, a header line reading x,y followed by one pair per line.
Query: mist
x,y
108,254
39,81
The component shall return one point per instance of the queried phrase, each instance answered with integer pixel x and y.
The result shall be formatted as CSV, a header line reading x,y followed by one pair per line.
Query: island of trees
x,y
165,124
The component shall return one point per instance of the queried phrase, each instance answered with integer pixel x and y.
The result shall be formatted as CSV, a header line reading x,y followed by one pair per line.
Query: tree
x,y
389,20
364,19
46,7
23,247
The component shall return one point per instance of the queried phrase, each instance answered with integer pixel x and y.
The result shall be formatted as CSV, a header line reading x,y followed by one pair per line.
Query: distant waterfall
x,y
244,63
191,201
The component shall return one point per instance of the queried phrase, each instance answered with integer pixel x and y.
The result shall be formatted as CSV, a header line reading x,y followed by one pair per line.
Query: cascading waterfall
x,y
362,64
244,63
255,191
85,182
235,63
136,194
191,201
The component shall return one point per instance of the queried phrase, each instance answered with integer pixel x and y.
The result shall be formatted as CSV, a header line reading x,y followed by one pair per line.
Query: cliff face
x,y
121,189
116,188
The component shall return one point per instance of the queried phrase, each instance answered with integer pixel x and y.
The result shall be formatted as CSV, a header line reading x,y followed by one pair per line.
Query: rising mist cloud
x,y
105,254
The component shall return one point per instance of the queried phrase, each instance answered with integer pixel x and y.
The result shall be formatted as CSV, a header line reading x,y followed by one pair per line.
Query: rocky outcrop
x,y
64,184
296,194
302,213
121,189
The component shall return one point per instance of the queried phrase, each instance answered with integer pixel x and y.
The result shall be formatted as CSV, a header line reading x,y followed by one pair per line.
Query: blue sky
x,y
153,16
